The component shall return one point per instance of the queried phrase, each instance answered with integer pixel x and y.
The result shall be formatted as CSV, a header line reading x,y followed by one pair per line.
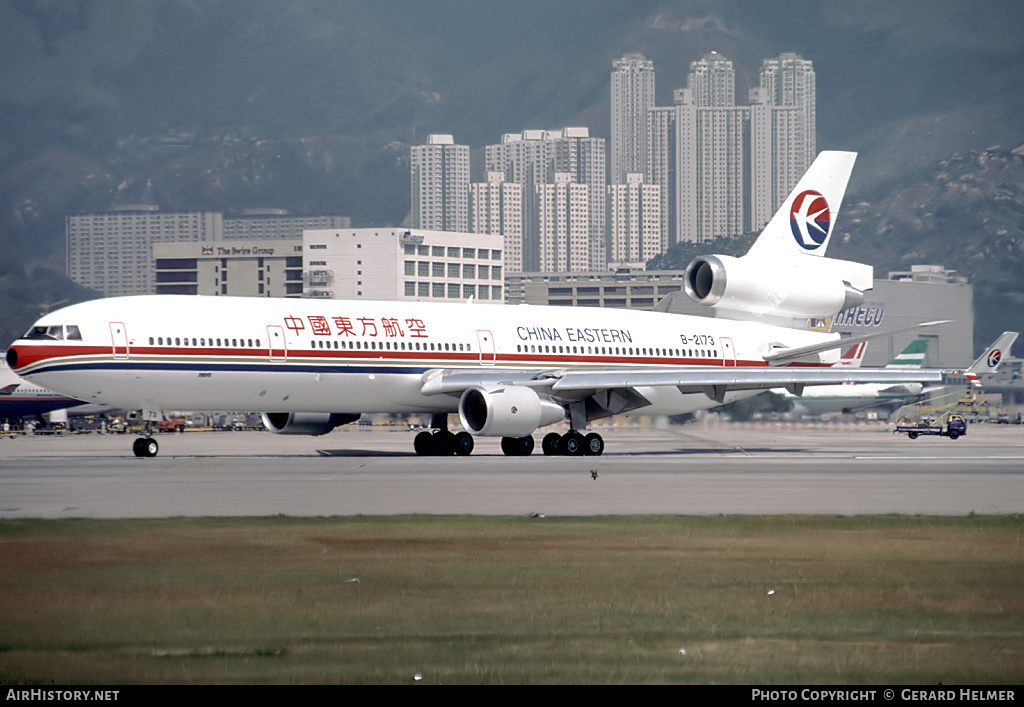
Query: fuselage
x,y
169,352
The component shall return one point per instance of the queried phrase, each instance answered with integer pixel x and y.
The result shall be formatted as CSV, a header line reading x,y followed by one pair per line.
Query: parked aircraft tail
x,y
989,361
912,356
852,357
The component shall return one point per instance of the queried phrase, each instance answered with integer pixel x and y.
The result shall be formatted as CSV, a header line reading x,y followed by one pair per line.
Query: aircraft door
x,y
728,351
486,341
119,339
278,347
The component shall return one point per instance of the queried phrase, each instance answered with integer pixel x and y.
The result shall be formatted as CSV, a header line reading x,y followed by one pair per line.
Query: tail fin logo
x,y
810,219
994,356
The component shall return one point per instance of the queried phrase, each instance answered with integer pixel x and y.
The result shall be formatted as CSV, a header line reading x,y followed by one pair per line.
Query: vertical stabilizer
x,y
989,361
803,224
852,357
912,356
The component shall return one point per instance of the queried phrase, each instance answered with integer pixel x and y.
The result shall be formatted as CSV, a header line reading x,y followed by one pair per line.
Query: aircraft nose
x,y
12,357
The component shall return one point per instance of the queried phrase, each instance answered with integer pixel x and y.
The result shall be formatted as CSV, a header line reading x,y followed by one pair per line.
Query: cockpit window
x,y
55,332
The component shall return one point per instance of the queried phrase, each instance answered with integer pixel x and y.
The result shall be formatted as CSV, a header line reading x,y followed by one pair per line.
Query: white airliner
x,y
857,396
19,398
311,365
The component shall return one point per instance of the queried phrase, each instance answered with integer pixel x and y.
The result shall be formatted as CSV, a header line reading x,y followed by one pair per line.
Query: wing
x,y
577,384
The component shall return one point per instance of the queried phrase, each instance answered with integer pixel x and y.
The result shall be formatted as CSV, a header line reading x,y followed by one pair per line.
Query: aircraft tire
x,y
464,444
137,447
424,444
593,445
150,447
551,444
508,446
572,443
444,443
517,446
525,445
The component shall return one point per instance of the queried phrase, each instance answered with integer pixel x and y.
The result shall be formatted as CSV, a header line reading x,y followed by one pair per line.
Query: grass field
x,y
759,600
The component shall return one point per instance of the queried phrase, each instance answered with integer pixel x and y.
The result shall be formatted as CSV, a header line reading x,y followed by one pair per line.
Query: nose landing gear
x,y
145,447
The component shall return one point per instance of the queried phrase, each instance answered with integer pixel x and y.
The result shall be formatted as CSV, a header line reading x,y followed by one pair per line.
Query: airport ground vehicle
x,y
174,424
953,426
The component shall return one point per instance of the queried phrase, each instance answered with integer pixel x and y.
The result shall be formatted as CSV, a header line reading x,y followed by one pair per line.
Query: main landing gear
x,y
572,444
441,442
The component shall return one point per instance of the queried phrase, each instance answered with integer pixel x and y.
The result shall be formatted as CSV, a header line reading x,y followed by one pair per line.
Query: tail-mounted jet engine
x,y
508,411
793,288
306,423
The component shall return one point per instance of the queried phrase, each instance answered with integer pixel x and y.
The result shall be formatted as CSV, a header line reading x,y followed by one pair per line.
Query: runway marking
x,y
943,458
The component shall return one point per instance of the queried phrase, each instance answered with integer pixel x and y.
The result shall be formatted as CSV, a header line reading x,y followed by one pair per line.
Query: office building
x,y
626,288
723,168
440,185
632,95
532,158
563,210
266,224
634,222
662,162
112,252
496,208
783,141
403,264
244,268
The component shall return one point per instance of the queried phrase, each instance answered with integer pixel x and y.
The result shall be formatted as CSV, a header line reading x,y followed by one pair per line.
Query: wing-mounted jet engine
x,y
305,423
506,411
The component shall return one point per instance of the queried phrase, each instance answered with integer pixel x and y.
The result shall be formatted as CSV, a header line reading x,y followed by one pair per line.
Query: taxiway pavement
x,y
701,469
